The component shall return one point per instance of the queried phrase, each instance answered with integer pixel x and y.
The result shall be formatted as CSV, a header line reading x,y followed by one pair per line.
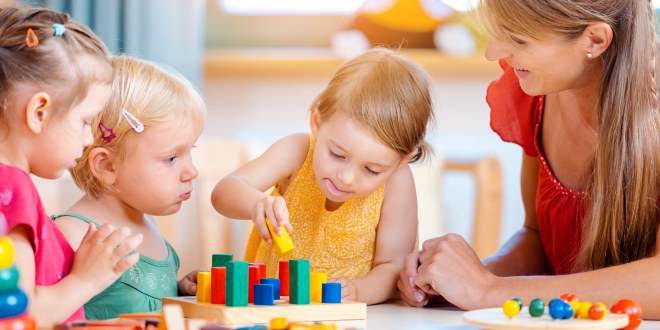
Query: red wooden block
x,y
218,285
283,269
253,278
262,268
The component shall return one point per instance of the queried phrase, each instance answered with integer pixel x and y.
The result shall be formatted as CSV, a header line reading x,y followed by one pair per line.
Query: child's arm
x,y
99,261
242,194
395,239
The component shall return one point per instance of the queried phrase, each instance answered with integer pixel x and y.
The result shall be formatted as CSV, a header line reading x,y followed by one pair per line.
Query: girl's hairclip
x,y
31,39
59,29
131,120
106,133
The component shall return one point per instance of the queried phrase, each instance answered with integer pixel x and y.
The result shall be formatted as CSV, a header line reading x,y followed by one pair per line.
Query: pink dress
x,y
560,211
22,206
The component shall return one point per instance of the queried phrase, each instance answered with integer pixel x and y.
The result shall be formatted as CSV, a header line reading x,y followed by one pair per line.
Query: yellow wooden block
x,y
204,287
316,280
283,244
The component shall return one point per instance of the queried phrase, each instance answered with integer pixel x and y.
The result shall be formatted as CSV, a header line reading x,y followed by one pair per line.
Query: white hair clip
x,y
131,120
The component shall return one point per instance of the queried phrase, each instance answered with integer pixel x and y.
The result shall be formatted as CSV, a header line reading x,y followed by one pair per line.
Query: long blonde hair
x,y
388,94
624,183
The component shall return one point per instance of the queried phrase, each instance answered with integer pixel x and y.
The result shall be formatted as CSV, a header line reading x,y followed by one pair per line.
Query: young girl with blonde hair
x,y
139,165
345,191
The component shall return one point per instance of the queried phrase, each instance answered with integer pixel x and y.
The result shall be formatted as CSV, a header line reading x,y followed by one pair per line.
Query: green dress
x,y
140,289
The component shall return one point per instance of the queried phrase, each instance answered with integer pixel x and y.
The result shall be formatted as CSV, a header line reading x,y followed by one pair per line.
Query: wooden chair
x,y
487,174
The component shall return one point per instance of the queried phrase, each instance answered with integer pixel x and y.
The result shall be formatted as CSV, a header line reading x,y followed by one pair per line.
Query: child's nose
x,y
347,176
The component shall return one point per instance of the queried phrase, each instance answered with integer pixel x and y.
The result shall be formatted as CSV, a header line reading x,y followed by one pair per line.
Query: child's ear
x,y
100,163
37,111
314,121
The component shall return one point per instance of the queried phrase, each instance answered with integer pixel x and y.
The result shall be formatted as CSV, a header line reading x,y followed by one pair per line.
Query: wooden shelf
x,y
314,62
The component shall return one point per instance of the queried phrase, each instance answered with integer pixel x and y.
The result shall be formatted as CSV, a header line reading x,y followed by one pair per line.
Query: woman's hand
x,y
449,266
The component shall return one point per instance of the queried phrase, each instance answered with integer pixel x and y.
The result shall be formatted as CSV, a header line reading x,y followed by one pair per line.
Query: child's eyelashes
x,y
170,159
372,172
335,155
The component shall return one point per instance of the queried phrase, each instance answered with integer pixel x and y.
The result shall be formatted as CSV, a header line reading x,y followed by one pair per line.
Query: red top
x,y
21,205
516,117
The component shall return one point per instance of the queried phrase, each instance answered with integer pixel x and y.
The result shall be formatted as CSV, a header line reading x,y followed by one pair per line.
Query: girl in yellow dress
x,y
344,191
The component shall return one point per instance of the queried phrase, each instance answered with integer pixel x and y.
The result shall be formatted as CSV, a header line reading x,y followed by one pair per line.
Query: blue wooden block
x,y
237,283
275,282
331,293
263,294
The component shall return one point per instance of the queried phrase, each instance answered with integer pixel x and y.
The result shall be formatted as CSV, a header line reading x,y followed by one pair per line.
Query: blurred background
x,y
260,63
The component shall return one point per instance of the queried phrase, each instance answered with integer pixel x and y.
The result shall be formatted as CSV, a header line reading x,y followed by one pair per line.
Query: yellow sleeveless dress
x,y
339,243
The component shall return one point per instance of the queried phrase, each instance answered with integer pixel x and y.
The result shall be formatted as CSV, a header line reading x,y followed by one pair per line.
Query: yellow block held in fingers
x,y
283,244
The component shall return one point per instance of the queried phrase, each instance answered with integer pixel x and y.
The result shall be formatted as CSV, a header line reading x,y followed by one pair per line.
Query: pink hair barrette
x,y
106,133
134,122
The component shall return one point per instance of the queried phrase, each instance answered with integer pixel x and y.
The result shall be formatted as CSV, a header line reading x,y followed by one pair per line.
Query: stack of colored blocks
x,y
238,283
13,300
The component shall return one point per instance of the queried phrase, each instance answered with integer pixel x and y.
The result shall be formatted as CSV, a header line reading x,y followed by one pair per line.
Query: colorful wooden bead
x,y
13,303
9,279
597,311
6,252
511,308
536,307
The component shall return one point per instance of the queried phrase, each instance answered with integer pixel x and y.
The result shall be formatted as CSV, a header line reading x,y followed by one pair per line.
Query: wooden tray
x,y
494,318
263,314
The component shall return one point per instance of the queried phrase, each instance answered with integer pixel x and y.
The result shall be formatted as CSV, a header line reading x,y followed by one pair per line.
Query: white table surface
x,y
397,315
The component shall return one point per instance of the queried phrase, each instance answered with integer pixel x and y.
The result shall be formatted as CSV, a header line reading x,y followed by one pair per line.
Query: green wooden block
x,y
299,282
237,283
220,260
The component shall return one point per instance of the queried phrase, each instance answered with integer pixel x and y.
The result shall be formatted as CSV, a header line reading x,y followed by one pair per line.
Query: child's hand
x,y
349,290
410,293
273,208
188,284
104,254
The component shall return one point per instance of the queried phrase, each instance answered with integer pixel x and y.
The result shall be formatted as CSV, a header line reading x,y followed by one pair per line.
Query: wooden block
x,y
263,294
316,280
218,285
283,272
262,268
223,314
204,286
237,283
173,317
220,260
283,244
299,281
331,292
276,286
253,278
